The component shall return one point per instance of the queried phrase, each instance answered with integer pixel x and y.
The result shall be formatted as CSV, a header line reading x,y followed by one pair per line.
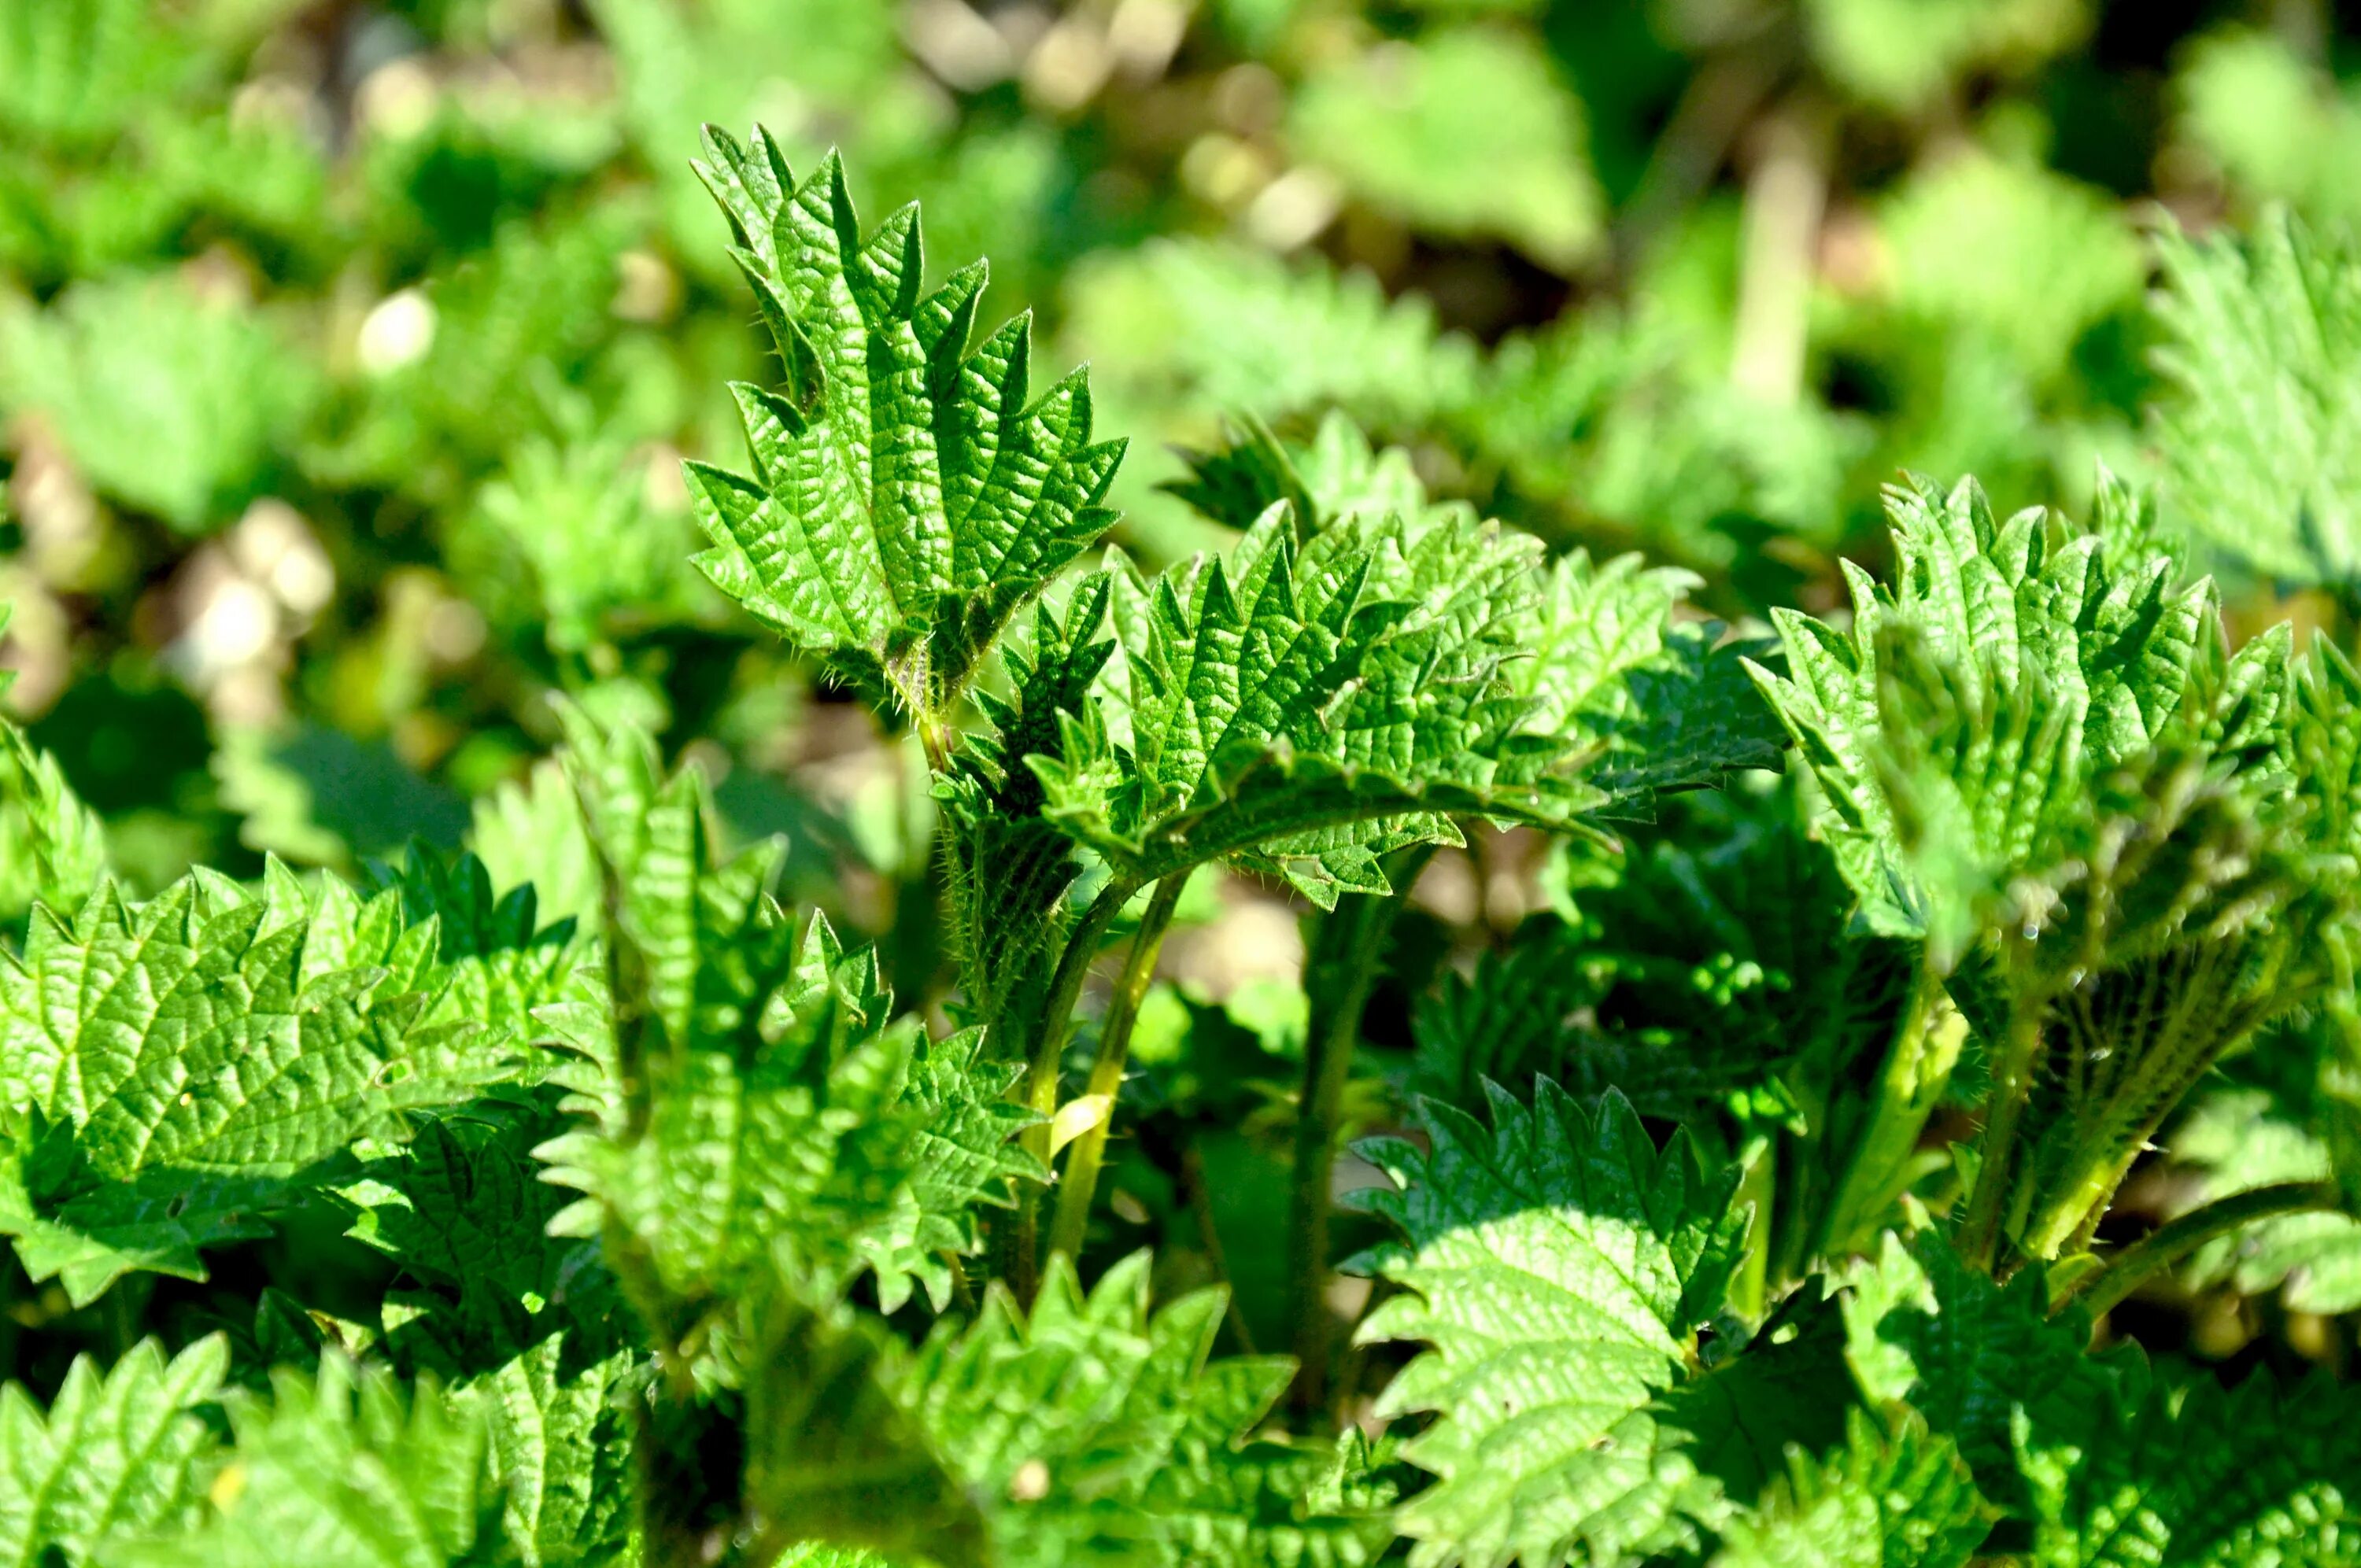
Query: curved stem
x,y
1021,1262
2175,1239
1080,1184
2012,1087
1910,1083
1341,973
1058,1012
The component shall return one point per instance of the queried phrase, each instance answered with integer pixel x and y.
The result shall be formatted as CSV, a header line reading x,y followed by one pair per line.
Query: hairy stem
x,y
1080,1184
2102,1288
2162,1062
1340,972
1910,1083
1021,1264
2012,1087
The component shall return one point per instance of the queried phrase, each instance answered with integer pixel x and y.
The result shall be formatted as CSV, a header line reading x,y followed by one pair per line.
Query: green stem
x,y
2197,1029
1080,1184
1910,1084
1023,1260
1750,1287
1341,973
2175,1239
2012,1087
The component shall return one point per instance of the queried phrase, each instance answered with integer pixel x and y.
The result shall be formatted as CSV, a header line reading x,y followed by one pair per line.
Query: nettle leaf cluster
x,y
1749,1207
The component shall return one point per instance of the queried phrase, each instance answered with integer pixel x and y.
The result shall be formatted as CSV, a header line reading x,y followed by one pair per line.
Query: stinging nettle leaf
x,y
169,1071
1557,1265
115,1457
907,500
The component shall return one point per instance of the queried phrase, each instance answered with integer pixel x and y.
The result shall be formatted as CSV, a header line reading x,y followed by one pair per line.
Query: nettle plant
x,y
1751,1209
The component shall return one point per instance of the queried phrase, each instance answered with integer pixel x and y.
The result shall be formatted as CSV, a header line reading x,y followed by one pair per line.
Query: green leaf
x,y
1401,124
115,1457
907,500
347,1468
1666,703
1886,1499
2031,664
1091,1430
530,834
755,1109
127,371
1977,1360
461,1207
2262,338
1715,981
1785,1391
1097,1431
2272,123
560,1434
2234,1139
1282,705
2205,1476
1659,703
169,1071
1557,1265
1010,868
52,847
1894,54
1228,325
837,1453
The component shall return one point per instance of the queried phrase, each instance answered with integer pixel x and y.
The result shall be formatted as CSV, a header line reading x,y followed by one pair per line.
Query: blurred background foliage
x,y
349,351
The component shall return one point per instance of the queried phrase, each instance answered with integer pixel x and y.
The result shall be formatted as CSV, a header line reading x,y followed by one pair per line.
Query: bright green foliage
x,y
461,1209
1716,982
1270,704
1895,53
2262,338
607,1203
2037,758
2206,1476
836,1145
1402,127
2035,665
127,372
565,547
907,500
115,1457
530,834
535,302
759,1106
458,1207
172,1069
2072,261
1099,1432
1633,412
1238,329
121,140
1650,702
1557,1265
52,847
1976,1360
1899,1499
1012,866
347,1467
2234,1139
1664,703
2274,124
561,1447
